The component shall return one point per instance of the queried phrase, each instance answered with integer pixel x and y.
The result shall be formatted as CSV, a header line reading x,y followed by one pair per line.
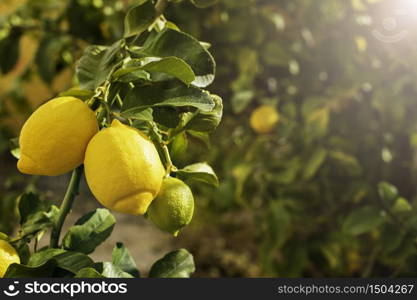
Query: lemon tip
x,y
26,165
136,203
116,122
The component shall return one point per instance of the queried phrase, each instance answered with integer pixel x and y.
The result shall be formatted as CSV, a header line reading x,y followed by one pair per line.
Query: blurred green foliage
x,y
331,192
321,189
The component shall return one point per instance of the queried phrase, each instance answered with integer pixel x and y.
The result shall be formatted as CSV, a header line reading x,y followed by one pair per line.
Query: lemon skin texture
x,y
264,119
123,169
8,256
54,138
173,208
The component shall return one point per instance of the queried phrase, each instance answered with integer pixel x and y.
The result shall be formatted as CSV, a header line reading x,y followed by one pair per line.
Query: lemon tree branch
x,y
160,7
169,164
70,194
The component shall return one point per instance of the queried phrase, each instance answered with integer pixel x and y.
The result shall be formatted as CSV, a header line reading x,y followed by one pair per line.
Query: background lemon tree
x,y
152,77
331,190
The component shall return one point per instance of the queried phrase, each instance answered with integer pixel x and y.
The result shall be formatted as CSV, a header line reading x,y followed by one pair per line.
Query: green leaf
x,y
203,3
278,224
22,248
199,172
30,204
139,18
96,64
132,75
172,66
22,271
171,42
166,116
165,94
176,264
317,123
83,18
362,220
241,99
348,162
35,215
202,137
144,115
9,50
411,223
89,231
67,260
40,221
4,236
88,273
73,261
109,270
150,129
288,172
314,163
401,205
207,121
332,253
241,173
48,56
14,147
122,258
391,237
129,67
77,93
42,256
275,54
387,192
117,92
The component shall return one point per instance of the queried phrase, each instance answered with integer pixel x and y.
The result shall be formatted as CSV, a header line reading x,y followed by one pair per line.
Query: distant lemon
x,y
123,169
8,256
264,119
54,138
173,208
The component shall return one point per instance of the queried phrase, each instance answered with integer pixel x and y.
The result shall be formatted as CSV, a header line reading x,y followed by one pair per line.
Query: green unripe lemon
x,y
173,208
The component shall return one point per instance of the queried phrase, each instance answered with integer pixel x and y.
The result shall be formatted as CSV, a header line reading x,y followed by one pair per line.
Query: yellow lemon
x,y
54,138
264,119
8,256
173,208
123,169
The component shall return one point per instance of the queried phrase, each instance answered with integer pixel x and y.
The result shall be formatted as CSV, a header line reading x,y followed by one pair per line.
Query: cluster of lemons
x,y
122,165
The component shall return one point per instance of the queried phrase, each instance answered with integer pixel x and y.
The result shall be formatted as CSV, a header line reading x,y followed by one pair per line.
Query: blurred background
x,y
330,191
